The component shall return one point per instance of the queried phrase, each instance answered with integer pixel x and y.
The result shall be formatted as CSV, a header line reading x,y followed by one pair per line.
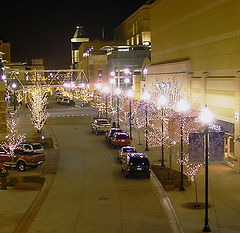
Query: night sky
x,y
43,29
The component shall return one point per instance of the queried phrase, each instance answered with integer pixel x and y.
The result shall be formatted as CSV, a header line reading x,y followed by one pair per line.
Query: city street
x,y
90,193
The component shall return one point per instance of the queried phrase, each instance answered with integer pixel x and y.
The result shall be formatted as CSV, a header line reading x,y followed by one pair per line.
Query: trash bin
x,y
3,175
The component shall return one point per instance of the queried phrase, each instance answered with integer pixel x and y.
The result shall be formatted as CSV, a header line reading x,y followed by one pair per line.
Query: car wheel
x,y
21,166
96,132
148,176
126,175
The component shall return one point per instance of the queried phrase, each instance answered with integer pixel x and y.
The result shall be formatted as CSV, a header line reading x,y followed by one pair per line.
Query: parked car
x,y
32,147
120,139
109,134
124,151
100,125
136,164
65,101
21,159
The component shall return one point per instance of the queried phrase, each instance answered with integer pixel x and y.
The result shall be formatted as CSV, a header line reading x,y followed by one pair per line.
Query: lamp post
x,y
162,102
118,92
130,95
206,117
182,107
145,96
14,85
106,90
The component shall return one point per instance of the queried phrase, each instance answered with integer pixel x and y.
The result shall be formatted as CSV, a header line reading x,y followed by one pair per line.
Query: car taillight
x,y
150,169
128,169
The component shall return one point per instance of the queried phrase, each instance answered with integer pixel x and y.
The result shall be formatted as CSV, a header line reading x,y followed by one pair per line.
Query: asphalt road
x,y
90,193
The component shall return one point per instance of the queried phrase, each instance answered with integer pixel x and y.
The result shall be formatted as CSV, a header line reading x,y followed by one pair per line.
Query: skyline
x,y
32,35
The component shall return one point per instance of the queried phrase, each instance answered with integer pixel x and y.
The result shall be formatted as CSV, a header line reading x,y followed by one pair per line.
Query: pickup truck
x,y
22,159
100,126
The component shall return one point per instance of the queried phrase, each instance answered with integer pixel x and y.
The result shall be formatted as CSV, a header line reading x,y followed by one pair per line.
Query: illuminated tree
x,y
191,170
38,107
14,138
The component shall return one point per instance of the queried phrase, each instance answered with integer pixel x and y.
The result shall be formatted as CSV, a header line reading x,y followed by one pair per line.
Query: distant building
x,y
79,37
125,63
136,29
94,61
5,52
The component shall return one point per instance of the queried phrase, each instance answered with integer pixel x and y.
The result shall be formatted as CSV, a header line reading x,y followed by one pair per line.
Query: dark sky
x,y
44,28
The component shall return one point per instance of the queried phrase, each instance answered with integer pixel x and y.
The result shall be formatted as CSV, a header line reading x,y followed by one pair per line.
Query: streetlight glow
x,y
14,85
105,89
126,71
182,106
118,91
127,80
112,80
112,73
162,101
206,116
145,96
130,93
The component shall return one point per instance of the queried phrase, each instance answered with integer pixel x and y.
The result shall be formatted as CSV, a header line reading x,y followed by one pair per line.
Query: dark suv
x,y
136,164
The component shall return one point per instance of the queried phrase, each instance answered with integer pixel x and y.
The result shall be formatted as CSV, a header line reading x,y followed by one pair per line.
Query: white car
x,y
123,152
33,147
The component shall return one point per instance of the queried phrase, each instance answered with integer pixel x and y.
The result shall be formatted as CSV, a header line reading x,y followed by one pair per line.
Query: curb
x,y
26,221
173,221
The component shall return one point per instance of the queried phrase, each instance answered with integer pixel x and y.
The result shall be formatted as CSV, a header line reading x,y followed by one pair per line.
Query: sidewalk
x,y
224,194
16,203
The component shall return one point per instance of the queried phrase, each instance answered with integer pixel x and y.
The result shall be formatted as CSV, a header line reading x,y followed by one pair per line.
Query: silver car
x,y
123,152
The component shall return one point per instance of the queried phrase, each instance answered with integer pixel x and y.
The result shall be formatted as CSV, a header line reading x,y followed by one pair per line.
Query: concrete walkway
x,y
224,195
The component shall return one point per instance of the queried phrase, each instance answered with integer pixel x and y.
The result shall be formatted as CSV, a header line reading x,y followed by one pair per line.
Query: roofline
x,y
133,14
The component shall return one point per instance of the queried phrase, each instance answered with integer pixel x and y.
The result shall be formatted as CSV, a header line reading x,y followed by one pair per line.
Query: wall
x,y
205,35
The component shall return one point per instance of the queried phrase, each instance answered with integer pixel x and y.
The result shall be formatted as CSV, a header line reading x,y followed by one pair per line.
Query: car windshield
x,y
37,147
138,161
122,136
101,122
115,130
128,150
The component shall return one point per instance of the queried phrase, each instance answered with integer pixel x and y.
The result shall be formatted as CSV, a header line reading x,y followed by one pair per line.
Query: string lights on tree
x,y
13,138
38,107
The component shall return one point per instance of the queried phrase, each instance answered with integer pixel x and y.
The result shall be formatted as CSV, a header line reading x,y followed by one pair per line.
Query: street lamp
x,y
145,96
162,102
118,92
206,117
130,95
14,85
105,91
182,107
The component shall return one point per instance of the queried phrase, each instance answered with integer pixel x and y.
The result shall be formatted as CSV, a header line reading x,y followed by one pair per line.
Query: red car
x,y
22,160
120,139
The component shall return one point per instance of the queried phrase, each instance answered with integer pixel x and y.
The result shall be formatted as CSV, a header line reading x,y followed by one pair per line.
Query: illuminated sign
x,y
215,127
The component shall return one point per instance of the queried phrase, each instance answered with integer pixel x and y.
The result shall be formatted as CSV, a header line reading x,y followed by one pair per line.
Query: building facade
x,y
94,62
136,29
5,51
197,43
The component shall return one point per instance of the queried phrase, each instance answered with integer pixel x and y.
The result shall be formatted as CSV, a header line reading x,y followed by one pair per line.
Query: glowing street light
x,y
162,102
127,71
206,118
145,96
182,107
130,95
14,85
112,73
98,85
117,93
